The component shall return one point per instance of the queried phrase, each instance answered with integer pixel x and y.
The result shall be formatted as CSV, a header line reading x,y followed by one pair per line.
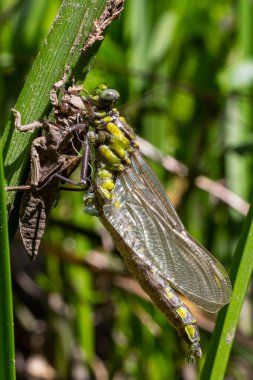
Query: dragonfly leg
x,y
85,163
26,127
62,178
37,144
76,127
53,92
17,188
85,158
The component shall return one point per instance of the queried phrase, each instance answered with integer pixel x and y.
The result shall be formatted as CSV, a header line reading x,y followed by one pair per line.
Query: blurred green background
x,y
184,72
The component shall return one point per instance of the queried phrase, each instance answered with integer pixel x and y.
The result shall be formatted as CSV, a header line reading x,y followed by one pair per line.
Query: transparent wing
x,y
142,214
152,183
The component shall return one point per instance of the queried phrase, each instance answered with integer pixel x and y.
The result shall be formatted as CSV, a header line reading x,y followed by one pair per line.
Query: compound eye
x,y
109,95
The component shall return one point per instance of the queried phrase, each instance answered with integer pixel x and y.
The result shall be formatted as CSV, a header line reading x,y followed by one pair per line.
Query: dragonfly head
x,y
107,98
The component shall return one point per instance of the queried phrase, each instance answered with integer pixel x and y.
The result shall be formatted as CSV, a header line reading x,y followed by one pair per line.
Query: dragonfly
x,y
133,206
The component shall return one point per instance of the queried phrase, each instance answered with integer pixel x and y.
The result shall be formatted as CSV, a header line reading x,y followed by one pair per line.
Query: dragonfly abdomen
x,y
159,290
178,314
184,320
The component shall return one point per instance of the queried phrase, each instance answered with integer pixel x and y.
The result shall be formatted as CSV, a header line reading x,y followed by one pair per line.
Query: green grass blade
x,y
7,352
223,336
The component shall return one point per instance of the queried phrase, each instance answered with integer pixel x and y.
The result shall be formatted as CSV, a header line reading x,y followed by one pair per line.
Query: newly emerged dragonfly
x,y
133,206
